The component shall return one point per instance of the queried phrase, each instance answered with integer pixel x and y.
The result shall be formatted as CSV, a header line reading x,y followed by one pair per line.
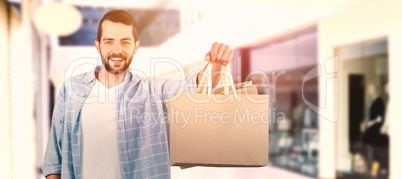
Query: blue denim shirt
x,y
141,130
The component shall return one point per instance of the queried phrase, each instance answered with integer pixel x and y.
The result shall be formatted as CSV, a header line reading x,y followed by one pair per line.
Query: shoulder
x,y
80,78
141,79
76,82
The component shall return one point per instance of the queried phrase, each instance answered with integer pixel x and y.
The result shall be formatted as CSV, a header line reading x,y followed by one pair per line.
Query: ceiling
x,y
237,23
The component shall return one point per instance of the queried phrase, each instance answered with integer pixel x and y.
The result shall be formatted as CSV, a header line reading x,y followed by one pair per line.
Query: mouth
x,y
116,61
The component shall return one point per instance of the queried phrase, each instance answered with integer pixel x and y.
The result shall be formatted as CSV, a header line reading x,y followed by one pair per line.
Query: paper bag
x,y
218,130
244,88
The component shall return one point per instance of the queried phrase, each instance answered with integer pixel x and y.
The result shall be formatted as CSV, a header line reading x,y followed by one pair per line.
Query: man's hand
x,y
53,176
219,55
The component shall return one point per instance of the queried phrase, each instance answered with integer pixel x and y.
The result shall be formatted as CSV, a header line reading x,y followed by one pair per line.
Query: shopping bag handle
x,y
206,83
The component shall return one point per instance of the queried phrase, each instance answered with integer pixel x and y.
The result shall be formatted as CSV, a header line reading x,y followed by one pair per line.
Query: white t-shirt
x,y
100,154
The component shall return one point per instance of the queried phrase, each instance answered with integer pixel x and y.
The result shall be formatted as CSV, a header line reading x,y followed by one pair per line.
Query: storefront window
x,y
363,152
278,67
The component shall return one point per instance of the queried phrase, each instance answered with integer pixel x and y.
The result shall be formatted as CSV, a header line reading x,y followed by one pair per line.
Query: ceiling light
x,y
57,19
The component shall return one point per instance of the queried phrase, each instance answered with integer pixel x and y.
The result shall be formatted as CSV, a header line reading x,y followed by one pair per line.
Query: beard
x,y
116,69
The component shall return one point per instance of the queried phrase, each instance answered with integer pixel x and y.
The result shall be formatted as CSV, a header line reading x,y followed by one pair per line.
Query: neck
x,y
108,79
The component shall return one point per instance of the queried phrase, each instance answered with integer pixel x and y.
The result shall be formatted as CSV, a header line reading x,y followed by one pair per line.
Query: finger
x,y
214,50
221,49
226,54
208,56
229,59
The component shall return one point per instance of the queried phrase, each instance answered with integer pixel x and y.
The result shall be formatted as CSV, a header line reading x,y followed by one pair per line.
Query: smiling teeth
x,y
116,59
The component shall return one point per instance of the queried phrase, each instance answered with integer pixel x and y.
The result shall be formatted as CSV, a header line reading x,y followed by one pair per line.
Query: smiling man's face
x,y
117,46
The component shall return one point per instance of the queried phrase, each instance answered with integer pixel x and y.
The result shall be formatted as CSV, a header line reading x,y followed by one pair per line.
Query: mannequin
x,y
385,127
375,142
374,96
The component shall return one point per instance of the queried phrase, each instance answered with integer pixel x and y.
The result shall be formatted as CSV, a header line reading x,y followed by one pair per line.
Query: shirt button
x,y
85,96
83,82
76,111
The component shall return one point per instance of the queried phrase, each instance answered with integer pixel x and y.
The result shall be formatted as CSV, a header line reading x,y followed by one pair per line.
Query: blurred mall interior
x,y
330,68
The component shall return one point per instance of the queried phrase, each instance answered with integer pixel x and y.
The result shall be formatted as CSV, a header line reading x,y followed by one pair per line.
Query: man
x,y
123,134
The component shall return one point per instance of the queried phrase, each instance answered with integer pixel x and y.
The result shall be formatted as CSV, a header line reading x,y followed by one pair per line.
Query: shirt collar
x,y
89,76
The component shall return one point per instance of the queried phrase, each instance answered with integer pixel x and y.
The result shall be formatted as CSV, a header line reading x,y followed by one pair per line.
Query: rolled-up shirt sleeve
x,y
53,160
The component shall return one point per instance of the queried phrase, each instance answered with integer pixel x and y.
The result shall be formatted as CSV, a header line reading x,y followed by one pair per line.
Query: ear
x,y
97,45
137,44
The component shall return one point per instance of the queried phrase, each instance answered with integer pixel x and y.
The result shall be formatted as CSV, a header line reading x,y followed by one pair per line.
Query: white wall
x,y
17,137
5,136
22,94
370,21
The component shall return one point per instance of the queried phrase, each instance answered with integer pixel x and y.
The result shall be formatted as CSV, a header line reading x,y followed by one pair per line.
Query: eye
x,y
108,42
126,42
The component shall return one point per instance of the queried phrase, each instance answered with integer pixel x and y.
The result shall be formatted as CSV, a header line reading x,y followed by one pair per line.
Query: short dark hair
x,y
118,16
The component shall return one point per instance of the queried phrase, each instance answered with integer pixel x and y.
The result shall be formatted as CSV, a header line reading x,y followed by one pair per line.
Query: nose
x,y
117,47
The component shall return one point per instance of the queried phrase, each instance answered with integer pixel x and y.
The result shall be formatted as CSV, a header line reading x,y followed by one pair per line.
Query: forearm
x,y
53,176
